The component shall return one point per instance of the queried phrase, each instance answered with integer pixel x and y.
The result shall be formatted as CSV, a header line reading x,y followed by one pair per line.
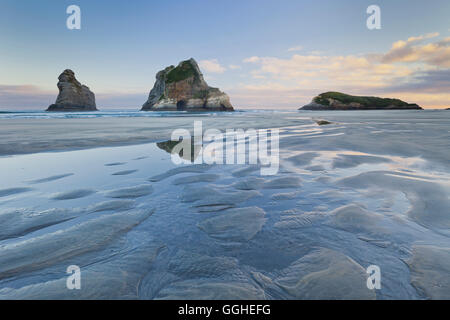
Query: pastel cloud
x,y
33,97
430,81
212,66
296,48
252,59
419,65
350,69
415,50
234,67
24,96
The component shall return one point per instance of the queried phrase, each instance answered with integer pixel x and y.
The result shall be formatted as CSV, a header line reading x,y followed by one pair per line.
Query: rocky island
x,y
73,96
183,88
342,101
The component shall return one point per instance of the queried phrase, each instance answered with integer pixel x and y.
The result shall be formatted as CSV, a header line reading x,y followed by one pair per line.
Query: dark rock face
x,y
183,88
73,96
341,101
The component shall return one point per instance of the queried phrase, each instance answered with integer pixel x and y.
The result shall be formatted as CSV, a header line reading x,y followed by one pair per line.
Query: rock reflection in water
x,y
169,146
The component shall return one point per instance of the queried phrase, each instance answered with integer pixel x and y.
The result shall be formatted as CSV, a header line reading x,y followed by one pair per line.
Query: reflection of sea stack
x,y
342,101
168,146
183,88
73,96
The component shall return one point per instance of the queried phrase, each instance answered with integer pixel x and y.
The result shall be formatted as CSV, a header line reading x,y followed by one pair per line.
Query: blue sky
x,y
271,54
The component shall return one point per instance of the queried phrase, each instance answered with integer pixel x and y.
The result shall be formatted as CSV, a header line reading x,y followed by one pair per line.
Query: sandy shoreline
x,y
24,136
367,189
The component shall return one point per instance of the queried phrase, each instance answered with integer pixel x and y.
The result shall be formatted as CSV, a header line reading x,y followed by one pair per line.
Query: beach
x,y
95,190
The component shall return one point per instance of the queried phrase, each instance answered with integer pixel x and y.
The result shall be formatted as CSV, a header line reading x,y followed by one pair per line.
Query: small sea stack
x,y
73,96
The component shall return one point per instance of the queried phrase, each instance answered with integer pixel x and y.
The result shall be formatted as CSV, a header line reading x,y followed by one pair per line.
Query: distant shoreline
x,y
108,110
26,135
49,132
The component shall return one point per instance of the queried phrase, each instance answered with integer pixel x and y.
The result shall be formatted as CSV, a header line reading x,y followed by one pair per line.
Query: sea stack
x,y
73,96
342,101
183,88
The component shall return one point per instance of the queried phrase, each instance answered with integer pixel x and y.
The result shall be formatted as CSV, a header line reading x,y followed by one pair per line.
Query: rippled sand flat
x,y
372,188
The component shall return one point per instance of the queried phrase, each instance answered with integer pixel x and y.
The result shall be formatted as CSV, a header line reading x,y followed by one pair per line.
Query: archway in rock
x,y
181,105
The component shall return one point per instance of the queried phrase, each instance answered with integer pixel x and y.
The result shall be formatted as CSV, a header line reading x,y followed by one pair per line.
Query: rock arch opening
x,y
181,105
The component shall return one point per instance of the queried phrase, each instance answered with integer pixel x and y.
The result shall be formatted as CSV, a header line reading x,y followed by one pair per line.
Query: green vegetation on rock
x,y
364,101
184,71
183,88
342,101
321,101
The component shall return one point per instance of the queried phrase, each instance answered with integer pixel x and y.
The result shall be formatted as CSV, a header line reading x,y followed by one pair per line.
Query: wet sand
x,y
367,189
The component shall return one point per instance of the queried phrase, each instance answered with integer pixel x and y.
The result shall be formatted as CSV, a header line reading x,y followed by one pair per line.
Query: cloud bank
x,y
416,70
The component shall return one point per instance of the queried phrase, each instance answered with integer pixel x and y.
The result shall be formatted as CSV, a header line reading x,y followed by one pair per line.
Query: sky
x,y
262,53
